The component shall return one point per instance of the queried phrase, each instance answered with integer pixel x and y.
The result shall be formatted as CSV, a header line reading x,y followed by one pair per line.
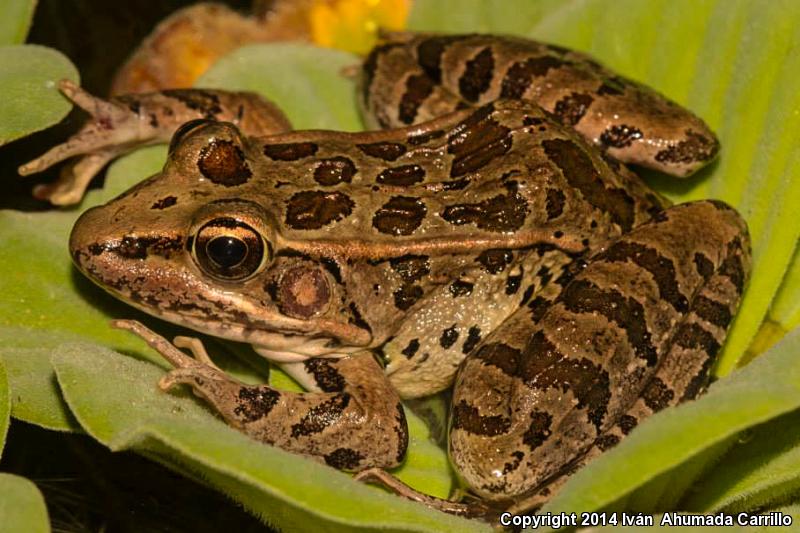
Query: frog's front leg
x,y
120,124
356,421
636,330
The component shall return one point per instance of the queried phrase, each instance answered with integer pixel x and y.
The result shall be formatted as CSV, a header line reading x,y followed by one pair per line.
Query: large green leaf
x,y
762,470
22,506
15,20
28,77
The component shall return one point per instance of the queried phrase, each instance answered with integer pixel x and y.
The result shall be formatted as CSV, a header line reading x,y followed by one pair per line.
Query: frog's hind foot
x,y
108,133
378,476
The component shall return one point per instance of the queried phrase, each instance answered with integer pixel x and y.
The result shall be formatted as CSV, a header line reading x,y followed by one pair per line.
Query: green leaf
x,y
15,20
5,406
765,389
762,470
306,82
31,101
785,309
22,506
115,399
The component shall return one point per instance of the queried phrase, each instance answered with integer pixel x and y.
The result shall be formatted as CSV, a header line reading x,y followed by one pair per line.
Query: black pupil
x,y
227,252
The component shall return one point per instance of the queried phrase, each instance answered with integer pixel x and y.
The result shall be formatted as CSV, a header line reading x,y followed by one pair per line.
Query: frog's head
x,y
192,246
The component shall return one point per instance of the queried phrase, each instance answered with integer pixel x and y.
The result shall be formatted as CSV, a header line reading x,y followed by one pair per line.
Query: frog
x,y
490,239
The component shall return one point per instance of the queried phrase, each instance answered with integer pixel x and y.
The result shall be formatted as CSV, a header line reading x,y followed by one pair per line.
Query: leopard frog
x,y
491,239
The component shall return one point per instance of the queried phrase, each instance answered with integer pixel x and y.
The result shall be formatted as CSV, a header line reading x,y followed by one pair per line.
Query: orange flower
x,y
353,25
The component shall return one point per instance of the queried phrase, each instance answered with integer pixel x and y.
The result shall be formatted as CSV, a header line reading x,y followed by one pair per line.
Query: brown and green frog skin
x,y
483,242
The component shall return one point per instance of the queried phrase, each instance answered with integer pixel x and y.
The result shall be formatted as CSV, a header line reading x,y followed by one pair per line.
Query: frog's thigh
x,y
425,352
354,421
639,325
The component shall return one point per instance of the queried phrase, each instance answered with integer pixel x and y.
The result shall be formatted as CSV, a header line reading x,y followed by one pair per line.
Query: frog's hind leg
x,y
637,329
355,422
120,124
682,374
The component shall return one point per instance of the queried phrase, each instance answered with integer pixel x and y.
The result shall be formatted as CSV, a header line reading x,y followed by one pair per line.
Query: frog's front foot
x,y
356,422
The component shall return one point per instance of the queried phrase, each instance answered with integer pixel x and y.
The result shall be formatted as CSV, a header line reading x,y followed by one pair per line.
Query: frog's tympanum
x,y
490,239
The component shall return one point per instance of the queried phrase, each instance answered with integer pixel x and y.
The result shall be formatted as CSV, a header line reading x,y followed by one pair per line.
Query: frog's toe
x,y
94,105
73,180
197,376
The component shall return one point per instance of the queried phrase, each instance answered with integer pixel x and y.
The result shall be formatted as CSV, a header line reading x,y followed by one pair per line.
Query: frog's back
x,y
504,176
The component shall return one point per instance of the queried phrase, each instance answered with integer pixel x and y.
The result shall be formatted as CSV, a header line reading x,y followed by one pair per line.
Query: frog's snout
x,y
83,240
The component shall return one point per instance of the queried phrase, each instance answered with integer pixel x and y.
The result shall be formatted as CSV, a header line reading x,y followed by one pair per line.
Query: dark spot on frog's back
x,y
401,176
417,139
401,215
571,109
476,141
501,213
335,170
580,172
387,151
290,151
167,201
223,163
307,210
477,75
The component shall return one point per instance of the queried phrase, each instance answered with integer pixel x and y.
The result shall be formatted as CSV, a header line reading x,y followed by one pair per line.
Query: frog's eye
x,y
184,129
230,250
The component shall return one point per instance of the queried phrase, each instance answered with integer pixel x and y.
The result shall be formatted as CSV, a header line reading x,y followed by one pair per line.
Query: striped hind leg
x,y
636,330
